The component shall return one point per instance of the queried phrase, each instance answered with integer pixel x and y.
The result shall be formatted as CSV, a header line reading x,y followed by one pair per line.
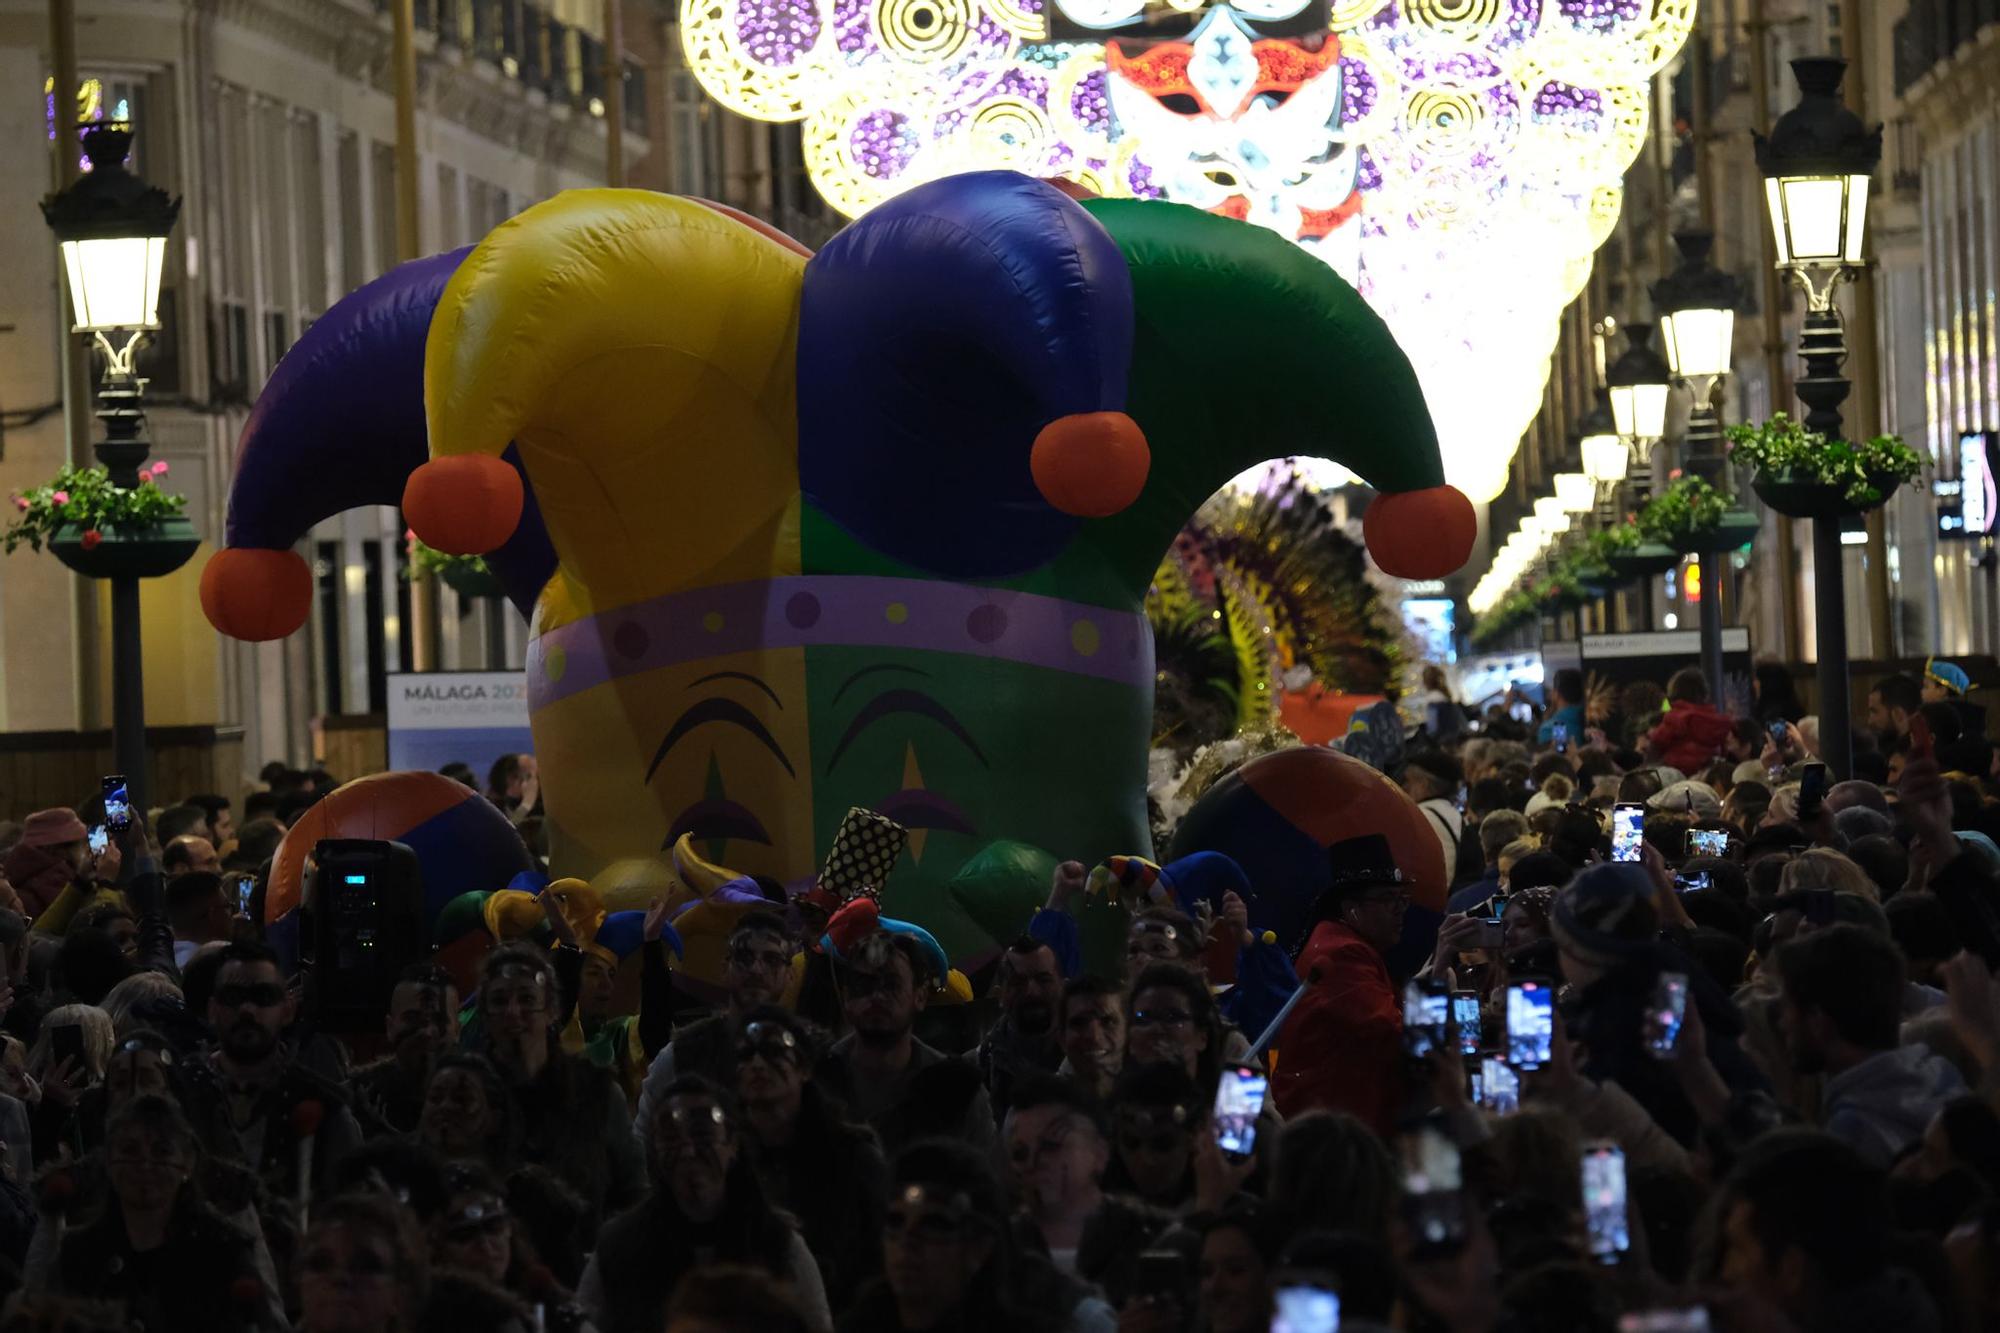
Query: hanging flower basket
x,y
103,531
466,575
1797,496
473,579
115,552
1802,474
1732,530
1645,560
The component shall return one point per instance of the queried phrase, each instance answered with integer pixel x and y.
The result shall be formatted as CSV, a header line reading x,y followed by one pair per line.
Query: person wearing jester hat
x,y
878,530
1946,683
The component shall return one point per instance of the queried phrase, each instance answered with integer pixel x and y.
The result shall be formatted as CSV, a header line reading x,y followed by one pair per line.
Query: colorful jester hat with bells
x,y
868,527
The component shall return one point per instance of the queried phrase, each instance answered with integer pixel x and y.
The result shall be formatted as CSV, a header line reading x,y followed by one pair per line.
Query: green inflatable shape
x,y
463,914
1248,348
1001,885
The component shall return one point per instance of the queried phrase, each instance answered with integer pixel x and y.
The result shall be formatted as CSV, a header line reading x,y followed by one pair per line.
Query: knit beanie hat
x,y
1606,915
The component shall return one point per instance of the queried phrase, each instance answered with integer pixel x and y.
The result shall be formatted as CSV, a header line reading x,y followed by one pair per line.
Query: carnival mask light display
x,y
873,527
1459,160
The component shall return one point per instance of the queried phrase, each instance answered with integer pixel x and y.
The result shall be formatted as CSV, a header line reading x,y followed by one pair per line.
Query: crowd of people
x,y
1701,1040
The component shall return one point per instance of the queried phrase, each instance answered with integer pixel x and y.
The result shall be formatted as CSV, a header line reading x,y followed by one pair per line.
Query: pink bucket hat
x,y
53,828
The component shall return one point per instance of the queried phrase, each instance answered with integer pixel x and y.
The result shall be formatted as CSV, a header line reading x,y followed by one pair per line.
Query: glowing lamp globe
x,y
1638,383
1816,167
1697,304
1605,457
1575,492
112,228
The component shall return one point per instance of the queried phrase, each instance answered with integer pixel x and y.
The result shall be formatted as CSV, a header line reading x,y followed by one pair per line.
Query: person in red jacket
x,y
1692,733
1342,1048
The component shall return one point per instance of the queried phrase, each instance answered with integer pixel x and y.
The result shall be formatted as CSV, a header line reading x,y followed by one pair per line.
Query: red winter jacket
x,y
1690,736
1342,1048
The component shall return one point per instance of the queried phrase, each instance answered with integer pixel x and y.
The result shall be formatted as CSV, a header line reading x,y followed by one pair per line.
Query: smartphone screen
x,y
1693,1320
1778,734
1559,736
1812,791
1426,1009
1695,883
244,885
1604,1201
1666,1012
1433,1191
1500,1086
117,804
1530,1023
1239,1100
100,839
1306,1310
1708,842
1465,1013
66,1043
1628,830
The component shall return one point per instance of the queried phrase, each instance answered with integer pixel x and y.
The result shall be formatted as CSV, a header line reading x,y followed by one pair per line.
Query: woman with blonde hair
x,y
70,1070
1823,868
129,994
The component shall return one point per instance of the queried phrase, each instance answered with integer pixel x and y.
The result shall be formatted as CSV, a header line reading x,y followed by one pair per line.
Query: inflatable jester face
x,y
867,528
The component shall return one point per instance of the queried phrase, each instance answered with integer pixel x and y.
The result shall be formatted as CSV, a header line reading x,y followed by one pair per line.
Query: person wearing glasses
x,y
905,1089
174,1262
252,1101
477,1235
813,1162
757,966
951,1262
706,1206
1342,1048
571,1114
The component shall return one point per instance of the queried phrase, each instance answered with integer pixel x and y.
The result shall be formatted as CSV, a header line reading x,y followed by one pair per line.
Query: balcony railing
x,y
531,46
1932,32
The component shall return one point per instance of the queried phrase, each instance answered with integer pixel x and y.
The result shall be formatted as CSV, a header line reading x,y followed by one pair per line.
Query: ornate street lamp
x,y
1817,164
1639,381
112,228
1697,304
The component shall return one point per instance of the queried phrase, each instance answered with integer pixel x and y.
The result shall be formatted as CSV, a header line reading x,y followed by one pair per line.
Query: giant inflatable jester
x,y
802,532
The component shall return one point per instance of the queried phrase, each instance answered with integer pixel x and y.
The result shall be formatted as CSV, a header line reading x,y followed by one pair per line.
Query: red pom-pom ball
x,y
256,595
1423,534
464,504
1091,464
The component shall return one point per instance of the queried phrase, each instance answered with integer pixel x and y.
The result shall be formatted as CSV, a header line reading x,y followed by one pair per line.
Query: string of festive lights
x,y
1460,161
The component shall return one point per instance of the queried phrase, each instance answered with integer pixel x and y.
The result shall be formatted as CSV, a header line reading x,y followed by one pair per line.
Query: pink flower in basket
x,y
21,503
158,469
91,538
60,497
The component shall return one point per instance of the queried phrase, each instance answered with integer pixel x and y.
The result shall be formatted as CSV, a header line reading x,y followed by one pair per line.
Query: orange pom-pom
x,y
1423,534
464,504
1091,464
255,594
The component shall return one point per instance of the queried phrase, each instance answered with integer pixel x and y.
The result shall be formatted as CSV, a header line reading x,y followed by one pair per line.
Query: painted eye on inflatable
x,y
890,703
714,818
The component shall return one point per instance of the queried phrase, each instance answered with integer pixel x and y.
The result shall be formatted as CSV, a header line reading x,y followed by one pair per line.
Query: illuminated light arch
x,y
1459,160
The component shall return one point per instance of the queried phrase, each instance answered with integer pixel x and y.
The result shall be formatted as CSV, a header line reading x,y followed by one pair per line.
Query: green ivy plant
x,y
1687,507
1615,540
1863,473
84,498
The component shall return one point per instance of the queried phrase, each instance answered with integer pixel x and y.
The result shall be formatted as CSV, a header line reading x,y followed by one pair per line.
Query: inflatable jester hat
x,y
871,527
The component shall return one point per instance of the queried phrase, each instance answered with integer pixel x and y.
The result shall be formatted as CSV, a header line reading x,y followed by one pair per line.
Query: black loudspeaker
x,y
366,927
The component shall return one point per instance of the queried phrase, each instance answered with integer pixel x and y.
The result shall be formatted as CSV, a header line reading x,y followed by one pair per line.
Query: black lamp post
x,y
1817,164
113,230
1697,304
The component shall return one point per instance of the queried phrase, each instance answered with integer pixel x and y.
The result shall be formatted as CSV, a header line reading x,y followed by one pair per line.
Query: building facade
x,y
274,121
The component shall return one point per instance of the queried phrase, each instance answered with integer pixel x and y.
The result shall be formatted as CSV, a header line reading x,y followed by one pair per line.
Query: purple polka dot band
x,y
806,611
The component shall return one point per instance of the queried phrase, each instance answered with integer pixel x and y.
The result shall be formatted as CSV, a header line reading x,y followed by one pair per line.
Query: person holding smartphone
x,y
1342,1047
1607,932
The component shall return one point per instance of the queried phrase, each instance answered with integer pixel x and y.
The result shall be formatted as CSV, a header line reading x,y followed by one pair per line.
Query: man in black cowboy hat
x,y
1342,1048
